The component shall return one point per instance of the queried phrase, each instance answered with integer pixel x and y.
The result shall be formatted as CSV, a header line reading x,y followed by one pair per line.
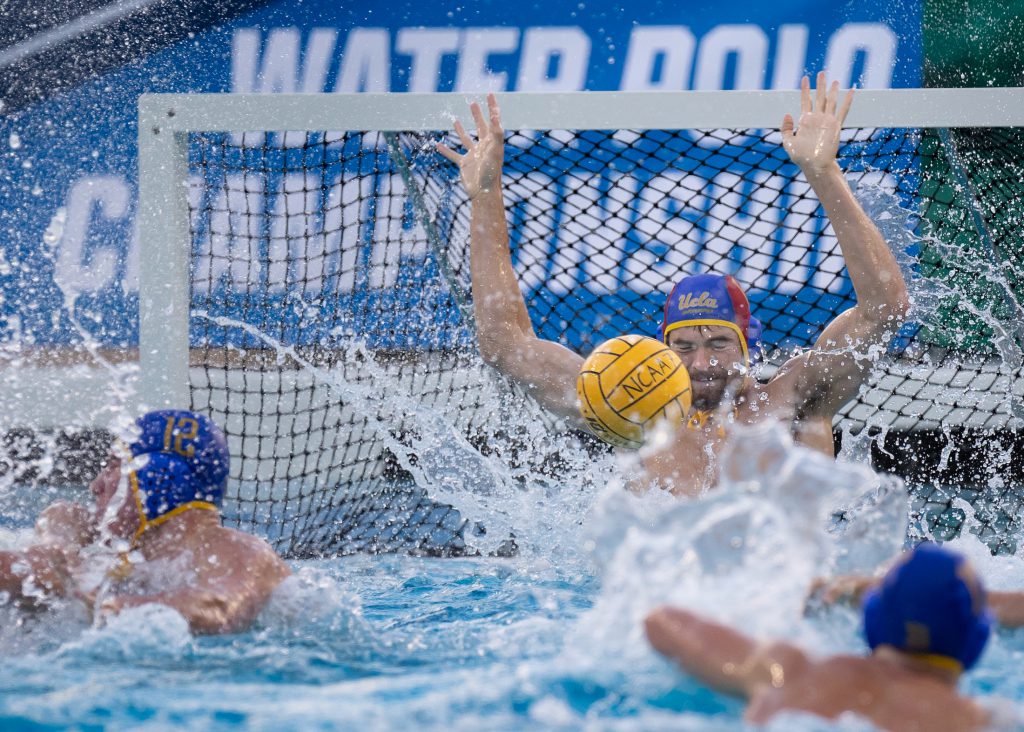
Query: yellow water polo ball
x,y
628,385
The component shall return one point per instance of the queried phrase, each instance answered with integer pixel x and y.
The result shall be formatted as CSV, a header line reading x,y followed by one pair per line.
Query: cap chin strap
x,y
147,523
699,419
946,663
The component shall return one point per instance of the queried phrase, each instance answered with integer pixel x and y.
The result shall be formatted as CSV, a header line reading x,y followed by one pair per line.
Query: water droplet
x,y
55,230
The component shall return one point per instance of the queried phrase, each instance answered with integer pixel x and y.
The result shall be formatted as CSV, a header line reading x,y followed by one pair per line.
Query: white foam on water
x,y
312,602
154,632
745,555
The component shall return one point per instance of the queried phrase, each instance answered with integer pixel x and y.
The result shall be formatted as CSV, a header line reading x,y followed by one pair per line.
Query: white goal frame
x,y
165,120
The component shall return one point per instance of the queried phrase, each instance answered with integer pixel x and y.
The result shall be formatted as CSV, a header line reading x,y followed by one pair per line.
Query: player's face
x,y
116,510
713,357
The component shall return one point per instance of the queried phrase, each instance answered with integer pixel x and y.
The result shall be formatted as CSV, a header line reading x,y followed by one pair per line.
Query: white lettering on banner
x,y
294,234
365,62
761,229
313,248
741,225
671,44
245,49
596,216
478,45
569,47
397,233
427,46
748,43
551,58
790,56
75,270
667,211
764,230
796,253
878,44
829,265
310,241
531,209
348,211
232,239
278,69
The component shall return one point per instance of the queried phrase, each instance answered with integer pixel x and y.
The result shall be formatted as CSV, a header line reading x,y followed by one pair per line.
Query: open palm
x,y
815,142
480,167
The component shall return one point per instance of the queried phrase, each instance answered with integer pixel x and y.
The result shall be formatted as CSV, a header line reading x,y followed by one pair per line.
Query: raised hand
x,y
480,167
815,142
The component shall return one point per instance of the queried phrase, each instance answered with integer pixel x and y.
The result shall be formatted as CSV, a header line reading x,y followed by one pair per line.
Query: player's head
x,y
707,322
175,460
931,605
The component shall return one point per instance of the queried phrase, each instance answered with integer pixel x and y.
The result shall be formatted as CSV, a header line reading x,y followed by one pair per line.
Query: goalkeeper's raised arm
x,y
507,340
826,377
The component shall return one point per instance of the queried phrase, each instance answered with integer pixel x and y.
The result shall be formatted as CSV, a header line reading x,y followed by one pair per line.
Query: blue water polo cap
x,y
713,299
185,465
931,605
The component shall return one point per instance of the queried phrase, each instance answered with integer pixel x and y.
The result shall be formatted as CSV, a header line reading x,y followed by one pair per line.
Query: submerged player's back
x,y
893,691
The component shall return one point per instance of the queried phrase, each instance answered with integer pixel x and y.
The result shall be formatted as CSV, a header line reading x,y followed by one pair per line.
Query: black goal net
x,y
332,328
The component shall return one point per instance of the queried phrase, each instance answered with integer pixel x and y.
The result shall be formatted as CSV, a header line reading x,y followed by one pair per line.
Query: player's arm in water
x,y
1006,605
33,576
547,370
720,657
226,589
66,524
827,376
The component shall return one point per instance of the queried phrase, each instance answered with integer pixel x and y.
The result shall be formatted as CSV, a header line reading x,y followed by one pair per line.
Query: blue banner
x,y
69,250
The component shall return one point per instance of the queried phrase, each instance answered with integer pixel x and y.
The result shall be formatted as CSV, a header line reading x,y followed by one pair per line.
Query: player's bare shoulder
x,y
251,550
771,399
780,399
935,705
886,693
822,687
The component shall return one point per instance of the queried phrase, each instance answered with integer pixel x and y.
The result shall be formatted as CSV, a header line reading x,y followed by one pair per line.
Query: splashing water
x,y
773,515
506,500
550,640
118,410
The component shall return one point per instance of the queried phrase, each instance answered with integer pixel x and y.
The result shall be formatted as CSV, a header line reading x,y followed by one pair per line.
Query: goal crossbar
x,y
991,107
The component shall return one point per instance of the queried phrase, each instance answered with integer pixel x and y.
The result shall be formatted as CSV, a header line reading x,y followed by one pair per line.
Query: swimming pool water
x,y
386,643
378,642
549,640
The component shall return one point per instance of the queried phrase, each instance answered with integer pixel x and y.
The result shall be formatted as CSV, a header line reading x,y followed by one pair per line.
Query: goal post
x,y
300,253
165,246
